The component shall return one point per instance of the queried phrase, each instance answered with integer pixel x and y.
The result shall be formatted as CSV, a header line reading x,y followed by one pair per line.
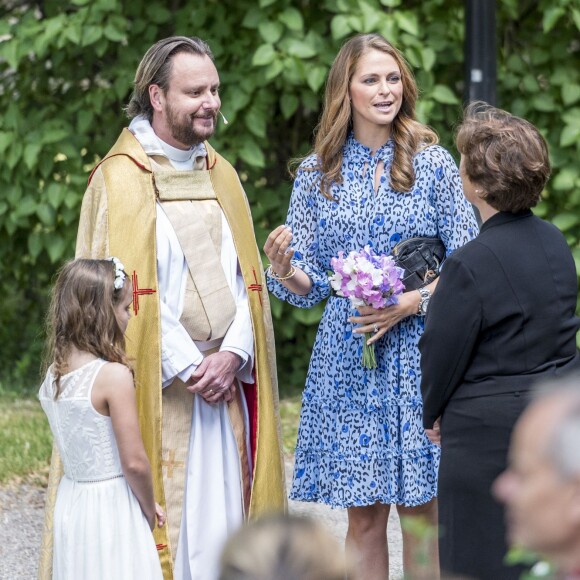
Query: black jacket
x,y
502,315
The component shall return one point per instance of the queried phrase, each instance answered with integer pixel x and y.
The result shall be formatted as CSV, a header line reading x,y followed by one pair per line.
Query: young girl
x,y
105,509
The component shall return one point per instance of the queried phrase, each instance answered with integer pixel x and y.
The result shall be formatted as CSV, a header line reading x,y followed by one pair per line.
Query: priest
x,y
174,211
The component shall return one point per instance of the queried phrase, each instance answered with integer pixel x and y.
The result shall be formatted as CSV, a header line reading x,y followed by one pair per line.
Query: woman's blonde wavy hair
x,y
82,314
409,135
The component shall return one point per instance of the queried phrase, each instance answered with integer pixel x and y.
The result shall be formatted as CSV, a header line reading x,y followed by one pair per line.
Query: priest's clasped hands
x,y
214,378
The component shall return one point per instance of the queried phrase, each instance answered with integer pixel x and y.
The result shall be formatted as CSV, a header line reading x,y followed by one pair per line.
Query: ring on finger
x,y
375,328
211,391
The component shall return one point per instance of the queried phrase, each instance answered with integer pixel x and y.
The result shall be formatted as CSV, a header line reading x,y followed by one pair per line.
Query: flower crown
x,y
120,274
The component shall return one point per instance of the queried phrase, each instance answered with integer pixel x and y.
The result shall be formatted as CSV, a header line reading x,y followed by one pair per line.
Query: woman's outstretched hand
x,y
278,250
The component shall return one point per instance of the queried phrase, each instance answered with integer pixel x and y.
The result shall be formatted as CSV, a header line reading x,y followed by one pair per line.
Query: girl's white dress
x,y
100,531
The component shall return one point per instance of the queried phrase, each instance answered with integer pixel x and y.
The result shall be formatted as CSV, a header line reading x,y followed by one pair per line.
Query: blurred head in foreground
x,y
541,487
283,548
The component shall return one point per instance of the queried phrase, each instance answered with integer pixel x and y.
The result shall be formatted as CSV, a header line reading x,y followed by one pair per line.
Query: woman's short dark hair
x,y
504,155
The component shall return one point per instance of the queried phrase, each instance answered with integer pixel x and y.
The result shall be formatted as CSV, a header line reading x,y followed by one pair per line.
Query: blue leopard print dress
x,y
361,438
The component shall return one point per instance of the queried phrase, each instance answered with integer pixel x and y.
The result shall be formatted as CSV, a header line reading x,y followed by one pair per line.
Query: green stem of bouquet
x,y
369,359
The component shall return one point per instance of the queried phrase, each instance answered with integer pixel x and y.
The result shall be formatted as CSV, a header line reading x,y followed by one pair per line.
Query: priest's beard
x,y
183,129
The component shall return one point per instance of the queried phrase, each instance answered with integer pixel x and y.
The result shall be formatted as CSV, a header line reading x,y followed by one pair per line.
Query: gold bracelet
x,y
270,272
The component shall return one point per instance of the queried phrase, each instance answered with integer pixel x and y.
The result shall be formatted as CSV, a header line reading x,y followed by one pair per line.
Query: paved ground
x,y
21,515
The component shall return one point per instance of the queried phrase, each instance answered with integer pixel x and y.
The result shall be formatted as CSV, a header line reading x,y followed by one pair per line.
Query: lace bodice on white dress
x,y
84,437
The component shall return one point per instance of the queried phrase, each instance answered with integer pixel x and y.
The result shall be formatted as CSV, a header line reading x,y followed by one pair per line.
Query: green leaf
x,y
408,22
10,52
570,93
340,27
551,17
515,64
565,221
252,19
35,245
252,154
576,17
391,3
46,214
91,34
443,94
110,6
271,32
371,16
288,104
25,207
428,58
84,120
572,116
55,246
292,19
530,84
13,154
299,48
566,179
539,56
560,76
264,55
6,138
315,77
276,306
544,102
72,199
355,22
113,33
158,14
255,120
74,32
308,316
273,70
237,100
264,3
54,194
570,136
30,155
424,108
413,56
13,194
45,165
54,136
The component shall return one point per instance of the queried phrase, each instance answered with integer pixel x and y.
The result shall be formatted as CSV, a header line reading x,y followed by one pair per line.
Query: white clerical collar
x,y
153,145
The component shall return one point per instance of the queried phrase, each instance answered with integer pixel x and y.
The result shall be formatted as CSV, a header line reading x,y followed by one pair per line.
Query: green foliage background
x,y
66,72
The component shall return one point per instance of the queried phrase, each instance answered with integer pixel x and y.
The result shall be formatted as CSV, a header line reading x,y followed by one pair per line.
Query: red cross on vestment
x,y
138,292
256,287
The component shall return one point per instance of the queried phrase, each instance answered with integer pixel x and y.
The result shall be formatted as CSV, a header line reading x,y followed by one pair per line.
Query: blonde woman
x,y
376,176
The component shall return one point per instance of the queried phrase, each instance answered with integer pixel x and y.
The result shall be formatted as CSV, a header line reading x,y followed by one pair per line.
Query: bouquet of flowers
x,y
370,279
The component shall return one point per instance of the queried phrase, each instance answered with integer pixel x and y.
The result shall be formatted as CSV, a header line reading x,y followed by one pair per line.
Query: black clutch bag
x,y
421,258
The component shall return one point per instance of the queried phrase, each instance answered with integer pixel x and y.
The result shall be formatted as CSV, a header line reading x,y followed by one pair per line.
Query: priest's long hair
x,y
82,314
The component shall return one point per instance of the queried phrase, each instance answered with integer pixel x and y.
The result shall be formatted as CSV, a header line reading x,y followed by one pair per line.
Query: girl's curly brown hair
x,y
82,314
